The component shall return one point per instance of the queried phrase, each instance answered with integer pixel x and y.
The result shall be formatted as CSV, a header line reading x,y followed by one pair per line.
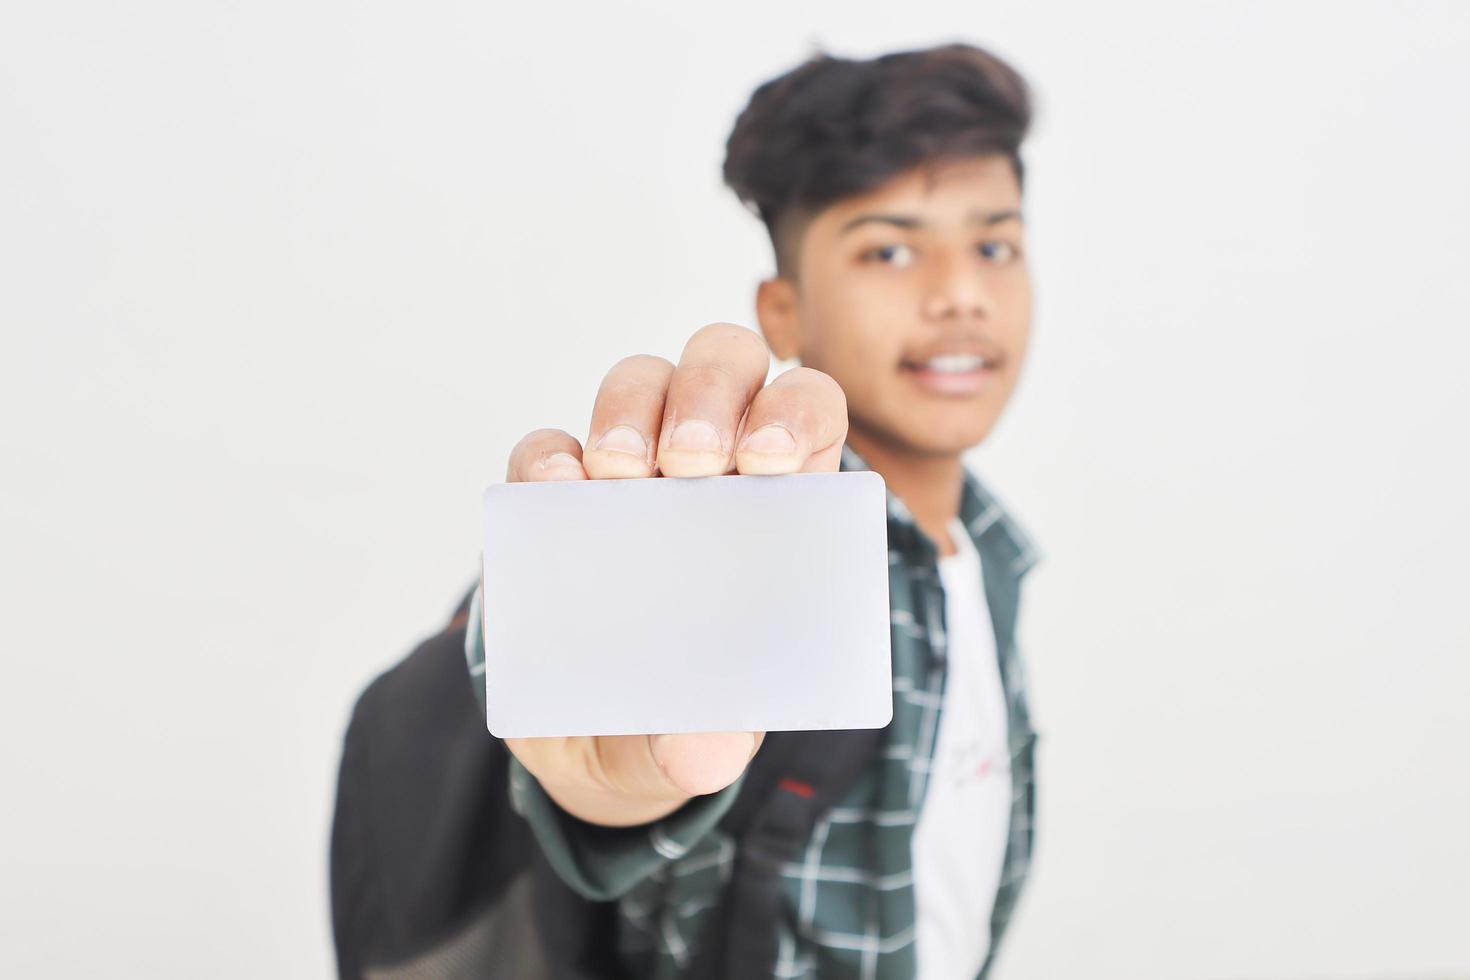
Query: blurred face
x,y
916,298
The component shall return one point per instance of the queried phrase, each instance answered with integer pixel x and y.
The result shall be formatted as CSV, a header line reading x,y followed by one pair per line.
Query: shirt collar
x,y
992,529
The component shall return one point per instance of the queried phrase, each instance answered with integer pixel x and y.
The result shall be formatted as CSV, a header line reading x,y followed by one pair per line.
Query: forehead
x,y
939,193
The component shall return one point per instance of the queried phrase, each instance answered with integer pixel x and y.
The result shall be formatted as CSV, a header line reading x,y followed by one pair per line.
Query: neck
x,y
929,485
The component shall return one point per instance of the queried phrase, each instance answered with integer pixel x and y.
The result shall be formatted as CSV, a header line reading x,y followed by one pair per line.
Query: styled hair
x,y
833,128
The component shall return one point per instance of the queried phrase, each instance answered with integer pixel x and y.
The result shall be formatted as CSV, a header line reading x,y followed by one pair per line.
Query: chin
x,y
951,447
945,441
948,436
926,429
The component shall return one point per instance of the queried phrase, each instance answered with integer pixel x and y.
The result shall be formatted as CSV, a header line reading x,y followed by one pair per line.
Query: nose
x,y
956,290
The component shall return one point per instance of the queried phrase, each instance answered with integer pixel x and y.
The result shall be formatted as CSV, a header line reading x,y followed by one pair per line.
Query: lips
x,y
955,363
952,372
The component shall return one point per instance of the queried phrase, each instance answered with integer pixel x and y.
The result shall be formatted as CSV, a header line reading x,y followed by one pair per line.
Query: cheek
x,y
854,331
1013,311
866,352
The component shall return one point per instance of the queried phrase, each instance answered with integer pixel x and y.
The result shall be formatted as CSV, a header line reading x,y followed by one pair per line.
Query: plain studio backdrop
x,y
281,285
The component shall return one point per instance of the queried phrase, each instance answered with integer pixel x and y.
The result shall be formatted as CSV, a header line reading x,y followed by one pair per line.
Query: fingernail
x,y
695,436
770,439
623,439
560,459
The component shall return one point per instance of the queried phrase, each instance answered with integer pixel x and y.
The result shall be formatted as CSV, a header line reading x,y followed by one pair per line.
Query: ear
x,y
775,308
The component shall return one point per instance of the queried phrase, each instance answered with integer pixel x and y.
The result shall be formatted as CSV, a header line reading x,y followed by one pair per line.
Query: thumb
x,y
696,763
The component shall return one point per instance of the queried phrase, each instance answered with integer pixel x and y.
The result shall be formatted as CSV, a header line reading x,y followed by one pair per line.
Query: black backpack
x,y
435,877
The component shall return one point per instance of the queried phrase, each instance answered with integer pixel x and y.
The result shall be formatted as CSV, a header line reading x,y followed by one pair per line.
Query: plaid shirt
x,y
849,899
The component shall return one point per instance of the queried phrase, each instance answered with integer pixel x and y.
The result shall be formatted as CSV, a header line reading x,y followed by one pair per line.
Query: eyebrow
x,y
911,222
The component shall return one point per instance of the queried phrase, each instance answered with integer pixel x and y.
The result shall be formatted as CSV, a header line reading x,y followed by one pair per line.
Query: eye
x,y
999,252
897,256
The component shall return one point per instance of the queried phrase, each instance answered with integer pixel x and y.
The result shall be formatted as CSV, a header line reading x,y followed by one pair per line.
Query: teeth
x,y
955,363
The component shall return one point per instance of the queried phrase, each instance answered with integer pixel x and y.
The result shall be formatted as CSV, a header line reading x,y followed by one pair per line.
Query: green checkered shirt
x,y
849,907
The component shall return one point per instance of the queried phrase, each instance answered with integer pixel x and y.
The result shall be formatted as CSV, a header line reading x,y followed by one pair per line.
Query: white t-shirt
x,y
964,820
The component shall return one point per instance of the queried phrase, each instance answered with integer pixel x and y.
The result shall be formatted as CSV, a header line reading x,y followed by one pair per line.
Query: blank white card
x,y
727,603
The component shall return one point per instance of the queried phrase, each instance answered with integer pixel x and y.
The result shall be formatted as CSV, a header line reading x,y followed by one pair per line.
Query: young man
x,y
892,192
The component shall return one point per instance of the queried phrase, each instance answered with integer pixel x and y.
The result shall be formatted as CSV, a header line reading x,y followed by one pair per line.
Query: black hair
x,y
833,128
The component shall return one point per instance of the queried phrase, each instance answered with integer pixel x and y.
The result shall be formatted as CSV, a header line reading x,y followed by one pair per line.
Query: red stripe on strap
x,y
797,786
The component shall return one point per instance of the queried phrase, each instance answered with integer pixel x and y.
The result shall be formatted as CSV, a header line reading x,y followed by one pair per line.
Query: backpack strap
x,y
461,617
795,778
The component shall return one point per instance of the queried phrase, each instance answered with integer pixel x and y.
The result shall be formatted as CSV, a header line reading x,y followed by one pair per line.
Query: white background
x,y
281,284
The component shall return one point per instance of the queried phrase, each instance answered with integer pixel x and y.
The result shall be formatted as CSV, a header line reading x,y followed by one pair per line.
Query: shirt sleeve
x,y
599,863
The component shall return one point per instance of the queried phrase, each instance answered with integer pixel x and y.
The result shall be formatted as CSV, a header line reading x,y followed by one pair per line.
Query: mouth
x,y
952,374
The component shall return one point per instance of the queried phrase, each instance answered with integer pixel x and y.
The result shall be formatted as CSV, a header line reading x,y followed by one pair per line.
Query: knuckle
x,y
540,442
825,389
616,392
742,340
640,378
813,387
538,439
641,364
811,376
711,374
721,330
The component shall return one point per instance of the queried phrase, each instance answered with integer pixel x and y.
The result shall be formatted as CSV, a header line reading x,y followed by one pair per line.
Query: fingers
x,y
796,424
710,415
721,369
626,419
546,454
